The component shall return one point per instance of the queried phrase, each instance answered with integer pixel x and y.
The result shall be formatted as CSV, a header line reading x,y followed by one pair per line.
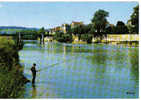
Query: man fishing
x,y
33,70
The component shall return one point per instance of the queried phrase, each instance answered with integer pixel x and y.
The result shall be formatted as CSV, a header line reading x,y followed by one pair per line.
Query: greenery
x,y
135,20
28,34
95,29
41,31
100,22
87,38
61,37
11,77
9,31
100,27
121,28
111,29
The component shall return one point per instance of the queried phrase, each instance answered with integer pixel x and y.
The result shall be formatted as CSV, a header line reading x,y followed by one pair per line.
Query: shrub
x,y
87,38
11,77
61,37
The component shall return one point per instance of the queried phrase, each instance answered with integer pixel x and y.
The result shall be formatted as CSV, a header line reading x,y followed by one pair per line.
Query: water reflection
x,y
95,71
133,57
34,91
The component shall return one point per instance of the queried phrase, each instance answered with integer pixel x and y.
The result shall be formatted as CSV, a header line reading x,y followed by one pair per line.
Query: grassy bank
x,y
11,77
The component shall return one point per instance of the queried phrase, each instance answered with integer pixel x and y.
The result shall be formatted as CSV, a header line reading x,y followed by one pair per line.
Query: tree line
x,y
100,27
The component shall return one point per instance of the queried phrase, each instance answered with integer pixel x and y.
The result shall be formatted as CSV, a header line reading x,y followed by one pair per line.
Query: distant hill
x,y
13,29
16,27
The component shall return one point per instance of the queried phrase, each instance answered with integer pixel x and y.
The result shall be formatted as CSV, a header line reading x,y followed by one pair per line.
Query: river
x,y
82,70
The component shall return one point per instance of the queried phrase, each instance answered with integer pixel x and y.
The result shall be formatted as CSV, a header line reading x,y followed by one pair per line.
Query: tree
x,y
86,37
130,27
121,28
81,29
99,22
78,30
41,31
135,19
61,37
110,29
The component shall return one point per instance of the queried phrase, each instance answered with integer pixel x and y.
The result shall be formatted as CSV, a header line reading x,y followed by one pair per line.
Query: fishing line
x,y
53,65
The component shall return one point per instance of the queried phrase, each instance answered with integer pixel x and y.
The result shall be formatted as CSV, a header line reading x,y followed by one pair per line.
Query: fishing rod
x,y
53,65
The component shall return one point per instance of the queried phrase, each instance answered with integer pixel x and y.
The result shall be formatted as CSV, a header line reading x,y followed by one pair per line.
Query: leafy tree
x,y
81,29
61,37
135,19
99,22
130,27
111,29
28,34
86,37
78,30
121,28
41,31
68,38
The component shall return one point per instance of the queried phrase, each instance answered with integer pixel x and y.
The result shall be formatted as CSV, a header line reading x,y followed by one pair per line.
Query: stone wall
x,y
119,38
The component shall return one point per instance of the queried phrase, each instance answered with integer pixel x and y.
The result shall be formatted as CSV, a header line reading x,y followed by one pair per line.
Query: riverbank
x,y
12,79
131,40
118,43
122,43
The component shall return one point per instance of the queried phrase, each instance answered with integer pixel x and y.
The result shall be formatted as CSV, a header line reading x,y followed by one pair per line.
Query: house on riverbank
x,y
114,38
121,37
64,27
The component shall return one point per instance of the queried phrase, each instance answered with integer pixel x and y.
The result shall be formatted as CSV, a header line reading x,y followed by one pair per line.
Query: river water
x,y
81,70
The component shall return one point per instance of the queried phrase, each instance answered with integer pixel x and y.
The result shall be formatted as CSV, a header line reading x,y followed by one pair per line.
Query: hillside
x,y
13,29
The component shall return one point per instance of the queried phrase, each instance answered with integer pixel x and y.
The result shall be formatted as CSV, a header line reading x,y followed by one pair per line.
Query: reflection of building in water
x,y
34,91
64,51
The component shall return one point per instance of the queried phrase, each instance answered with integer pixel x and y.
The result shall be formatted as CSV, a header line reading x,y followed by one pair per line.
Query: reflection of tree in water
x,y
98,59
120,58
134,61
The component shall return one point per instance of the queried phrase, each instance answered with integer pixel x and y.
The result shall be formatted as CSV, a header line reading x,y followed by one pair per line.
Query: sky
x,y
52,14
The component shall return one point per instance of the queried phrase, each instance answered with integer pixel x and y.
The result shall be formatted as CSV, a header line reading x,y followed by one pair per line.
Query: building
x,y
65,28
75,24
52,31
119,38
58,28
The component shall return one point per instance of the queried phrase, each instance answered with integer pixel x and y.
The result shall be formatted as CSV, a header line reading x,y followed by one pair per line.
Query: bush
x,y
11,85
61,37
87,38
11,77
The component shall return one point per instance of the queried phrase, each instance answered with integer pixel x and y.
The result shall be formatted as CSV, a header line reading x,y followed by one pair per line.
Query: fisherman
x,y
33,70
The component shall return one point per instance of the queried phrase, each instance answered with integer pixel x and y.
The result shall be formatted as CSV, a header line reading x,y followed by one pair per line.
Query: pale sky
x,y
52,14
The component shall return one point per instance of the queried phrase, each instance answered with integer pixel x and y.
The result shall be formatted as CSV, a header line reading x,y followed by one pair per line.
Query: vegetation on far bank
x,y
100,27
